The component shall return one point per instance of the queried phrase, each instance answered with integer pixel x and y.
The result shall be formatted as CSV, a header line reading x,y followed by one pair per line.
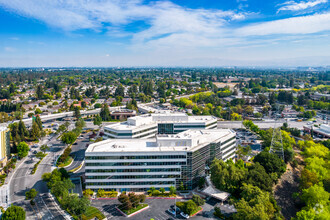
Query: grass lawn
x,y
131,211
197,210
66,162
92,213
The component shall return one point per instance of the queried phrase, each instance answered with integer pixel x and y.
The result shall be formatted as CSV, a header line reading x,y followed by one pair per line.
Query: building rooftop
x,y
185,141
151,119
3,128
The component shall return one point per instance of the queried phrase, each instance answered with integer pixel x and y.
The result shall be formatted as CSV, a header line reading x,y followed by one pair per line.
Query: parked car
x,y
171,211
176,208
184,215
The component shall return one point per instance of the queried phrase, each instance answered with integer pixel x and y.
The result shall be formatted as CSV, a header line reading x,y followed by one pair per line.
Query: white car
x,y
184,215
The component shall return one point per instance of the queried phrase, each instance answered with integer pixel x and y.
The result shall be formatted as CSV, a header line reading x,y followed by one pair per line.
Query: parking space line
x,y
47,207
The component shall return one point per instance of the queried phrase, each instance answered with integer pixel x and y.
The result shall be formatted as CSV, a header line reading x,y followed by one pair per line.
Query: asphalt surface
x,y
157,210
266,124
22,181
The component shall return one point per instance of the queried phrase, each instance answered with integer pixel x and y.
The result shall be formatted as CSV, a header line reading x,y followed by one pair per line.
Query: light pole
x,y
175,199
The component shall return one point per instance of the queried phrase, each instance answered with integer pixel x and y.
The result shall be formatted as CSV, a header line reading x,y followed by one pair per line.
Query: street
x,y
22,180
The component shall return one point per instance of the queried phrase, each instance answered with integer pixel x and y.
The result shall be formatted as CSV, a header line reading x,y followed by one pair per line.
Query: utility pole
x,y
276,146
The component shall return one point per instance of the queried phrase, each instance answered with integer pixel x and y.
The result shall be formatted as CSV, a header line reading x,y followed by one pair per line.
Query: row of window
x,y
132,170
133,177
153,183
189,126
226,141
213,123
130,134
229,156
146,157
230,145
137,164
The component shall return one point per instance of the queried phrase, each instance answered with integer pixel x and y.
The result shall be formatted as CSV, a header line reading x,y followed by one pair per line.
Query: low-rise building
x,y
164,161
122,114
289,113
146,126
323,131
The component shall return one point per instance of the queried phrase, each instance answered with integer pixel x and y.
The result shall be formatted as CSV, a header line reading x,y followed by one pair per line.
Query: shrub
x,y
198,200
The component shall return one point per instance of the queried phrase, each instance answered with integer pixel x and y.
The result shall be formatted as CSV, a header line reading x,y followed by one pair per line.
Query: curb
x,y
197,212
81,165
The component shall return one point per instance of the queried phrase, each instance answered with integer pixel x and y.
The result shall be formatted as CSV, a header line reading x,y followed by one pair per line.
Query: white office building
x,y
163,161
146,126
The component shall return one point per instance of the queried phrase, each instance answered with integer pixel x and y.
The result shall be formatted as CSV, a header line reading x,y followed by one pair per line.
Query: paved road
x,y
78,151
262,124
22,181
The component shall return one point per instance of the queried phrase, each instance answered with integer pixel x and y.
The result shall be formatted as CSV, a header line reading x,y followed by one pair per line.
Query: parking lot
x,y
157,209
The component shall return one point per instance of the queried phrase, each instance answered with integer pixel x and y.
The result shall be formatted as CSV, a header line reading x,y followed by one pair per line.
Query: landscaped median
x,y
131,203
92,213
77,168
35,167
133,211
191,207
65,159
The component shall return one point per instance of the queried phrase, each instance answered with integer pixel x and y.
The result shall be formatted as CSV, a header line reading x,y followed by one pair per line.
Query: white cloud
x,y
295,25
9,49
297,6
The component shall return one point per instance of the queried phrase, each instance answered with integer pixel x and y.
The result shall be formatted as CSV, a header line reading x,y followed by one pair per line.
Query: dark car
x,y
177,209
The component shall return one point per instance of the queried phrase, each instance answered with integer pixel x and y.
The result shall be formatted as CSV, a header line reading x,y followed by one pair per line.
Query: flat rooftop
x,y
189,140
151,119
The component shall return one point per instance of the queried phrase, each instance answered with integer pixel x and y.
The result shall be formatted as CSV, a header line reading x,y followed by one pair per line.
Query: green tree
x,y
227,177
172,190
35,132
97,120
14,213
162,190
254,204
44,148
69,137
80,123
31,194
257,176
39,122
190,207
37,111
271,162
105,113
134,199
198,200
76,112
39,92
22,131
23,149
315,195
75,205
120,91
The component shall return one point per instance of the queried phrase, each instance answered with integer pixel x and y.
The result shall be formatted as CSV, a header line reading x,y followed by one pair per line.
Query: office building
x,y
148,125
4,145
163,161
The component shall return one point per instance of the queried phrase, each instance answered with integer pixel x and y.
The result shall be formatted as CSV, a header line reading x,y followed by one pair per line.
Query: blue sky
x,y
106,33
